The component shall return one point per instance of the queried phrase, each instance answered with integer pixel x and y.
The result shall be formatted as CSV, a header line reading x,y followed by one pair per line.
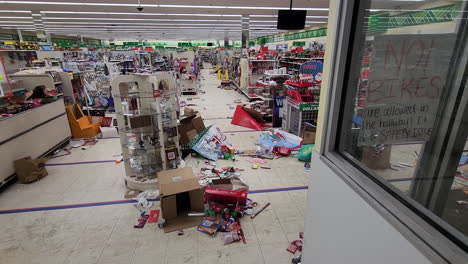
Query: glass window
x,y
404,120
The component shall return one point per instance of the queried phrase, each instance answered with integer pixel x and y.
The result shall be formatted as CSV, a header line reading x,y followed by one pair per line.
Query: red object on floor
x,y
242,118
153,216
225,196
292,248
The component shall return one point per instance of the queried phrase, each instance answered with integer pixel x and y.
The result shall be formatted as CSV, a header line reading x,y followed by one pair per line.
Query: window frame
x,y
430,234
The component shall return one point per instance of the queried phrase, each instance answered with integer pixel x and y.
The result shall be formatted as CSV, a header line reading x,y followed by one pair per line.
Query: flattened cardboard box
x,y
180,193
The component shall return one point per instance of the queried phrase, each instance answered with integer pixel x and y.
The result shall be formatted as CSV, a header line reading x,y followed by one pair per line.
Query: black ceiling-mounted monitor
x,y
209,44
291,19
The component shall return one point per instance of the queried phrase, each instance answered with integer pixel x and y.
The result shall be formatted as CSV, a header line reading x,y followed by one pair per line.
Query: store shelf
x,y
262,60
16,50
276,74
300,85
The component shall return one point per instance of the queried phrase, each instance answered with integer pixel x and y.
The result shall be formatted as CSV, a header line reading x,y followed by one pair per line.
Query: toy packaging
x,y
209,227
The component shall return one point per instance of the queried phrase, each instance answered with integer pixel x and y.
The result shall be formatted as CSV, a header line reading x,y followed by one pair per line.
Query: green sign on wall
x,y
299,43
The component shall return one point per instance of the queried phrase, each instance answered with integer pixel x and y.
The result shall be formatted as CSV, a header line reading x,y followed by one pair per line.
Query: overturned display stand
x,y
146,108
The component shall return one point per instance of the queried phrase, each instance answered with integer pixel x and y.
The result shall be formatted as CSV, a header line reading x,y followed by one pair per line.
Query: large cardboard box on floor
x,y
180,194
189,127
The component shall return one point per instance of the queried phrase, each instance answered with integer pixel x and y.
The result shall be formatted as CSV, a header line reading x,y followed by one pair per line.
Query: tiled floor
x,y
105,234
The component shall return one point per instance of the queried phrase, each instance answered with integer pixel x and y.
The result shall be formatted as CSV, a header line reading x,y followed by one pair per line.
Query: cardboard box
x,y
29,170
233,184
189,127
308,135
380,161
190,111
180,193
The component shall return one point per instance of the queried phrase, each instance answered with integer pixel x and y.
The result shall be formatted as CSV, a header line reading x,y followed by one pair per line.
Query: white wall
x,y
340,227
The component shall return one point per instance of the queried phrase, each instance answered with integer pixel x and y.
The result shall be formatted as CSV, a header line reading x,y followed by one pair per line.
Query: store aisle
x,y
91,223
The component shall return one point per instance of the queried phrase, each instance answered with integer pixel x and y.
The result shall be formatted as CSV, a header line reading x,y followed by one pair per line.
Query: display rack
x,y
270,90
251,70
147,119
296,114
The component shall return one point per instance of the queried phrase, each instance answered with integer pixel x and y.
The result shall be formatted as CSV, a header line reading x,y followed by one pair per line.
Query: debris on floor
x,y
153,216
141,221
305,153
256,160
130,194
249,118
208,143
277,142
261,209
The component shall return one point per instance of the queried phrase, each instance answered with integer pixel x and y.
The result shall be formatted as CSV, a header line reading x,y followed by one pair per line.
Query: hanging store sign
x,y
311,67
406,78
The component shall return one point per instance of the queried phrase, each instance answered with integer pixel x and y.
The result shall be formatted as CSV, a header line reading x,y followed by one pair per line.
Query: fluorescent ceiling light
x,y
2,26
277,16
140,14
242,7
143,27
8,17
14,11
136,24
136,19
155,5
19,22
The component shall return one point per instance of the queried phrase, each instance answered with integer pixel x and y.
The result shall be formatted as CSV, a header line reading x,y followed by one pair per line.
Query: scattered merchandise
x,y
153,216
161,223
231,237
305,153
208,143
141,221
180,232
143,205
131,194
256,160
267,141
259,210
297,260
209,227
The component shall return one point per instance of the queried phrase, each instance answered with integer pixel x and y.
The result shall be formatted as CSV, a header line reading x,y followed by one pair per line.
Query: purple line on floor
x,y
71,206
79,163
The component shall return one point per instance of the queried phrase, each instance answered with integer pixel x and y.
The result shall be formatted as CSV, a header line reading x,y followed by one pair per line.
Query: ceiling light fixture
x,y
8,17
141,14
14,11
160,6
